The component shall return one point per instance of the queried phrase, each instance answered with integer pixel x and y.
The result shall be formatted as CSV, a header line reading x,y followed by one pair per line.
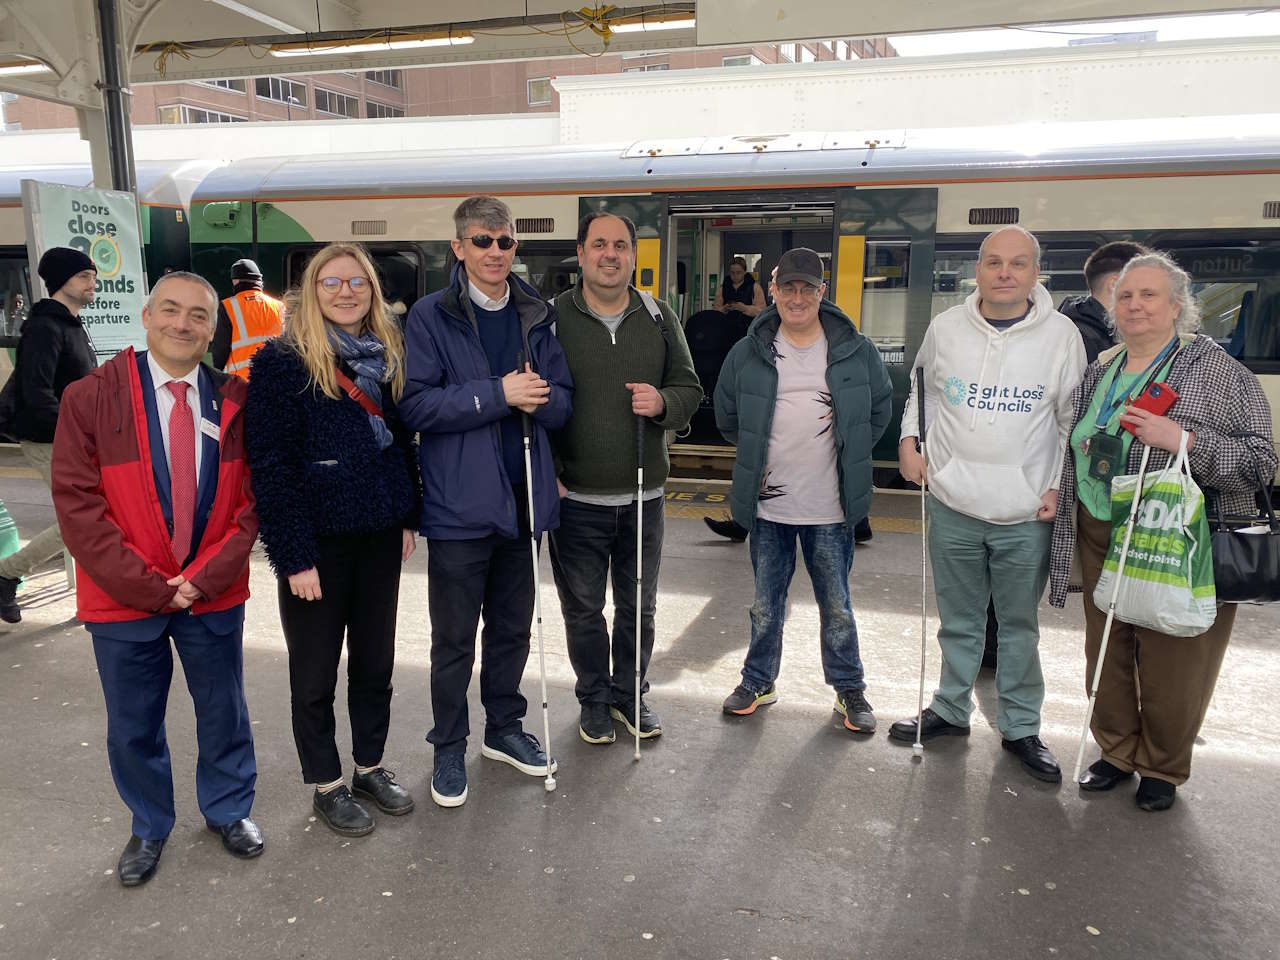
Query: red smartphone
x,y
1157,399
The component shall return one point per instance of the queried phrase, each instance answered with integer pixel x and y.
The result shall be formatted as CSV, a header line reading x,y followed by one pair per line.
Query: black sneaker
x,y
380,786
520,750
743,702
862,532
853,706
726,528
594,724
9,610
449,779
339,810
650,725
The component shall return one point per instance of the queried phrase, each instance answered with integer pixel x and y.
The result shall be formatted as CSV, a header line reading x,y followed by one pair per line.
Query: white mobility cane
x,y
550,782
1111,610
639,561
917,748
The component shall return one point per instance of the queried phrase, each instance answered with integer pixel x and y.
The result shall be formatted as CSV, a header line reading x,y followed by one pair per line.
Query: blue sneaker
x,y
449,779
521,750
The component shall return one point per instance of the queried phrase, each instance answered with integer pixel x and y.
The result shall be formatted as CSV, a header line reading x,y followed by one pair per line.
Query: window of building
x,y
281,90
743,60
338,104
539,91
380,111
787,51
843,50
388,78
181,113
647,68
806,55
237,85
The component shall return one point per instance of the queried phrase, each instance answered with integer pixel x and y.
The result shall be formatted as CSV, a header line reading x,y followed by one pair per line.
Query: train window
x,y
884,289
15,296
549,266
397,273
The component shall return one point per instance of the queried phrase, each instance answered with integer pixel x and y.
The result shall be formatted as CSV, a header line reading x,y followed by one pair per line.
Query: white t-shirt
x,y
801,483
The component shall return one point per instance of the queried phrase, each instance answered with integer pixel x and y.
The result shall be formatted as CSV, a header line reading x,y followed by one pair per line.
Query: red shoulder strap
x,y
356,394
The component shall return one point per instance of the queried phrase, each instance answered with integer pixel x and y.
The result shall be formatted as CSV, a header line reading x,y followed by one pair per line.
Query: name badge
x,y
210,429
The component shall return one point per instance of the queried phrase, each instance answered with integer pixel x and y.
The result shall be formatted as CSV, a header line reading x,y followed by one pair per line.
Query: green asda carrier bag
x,y
1167,583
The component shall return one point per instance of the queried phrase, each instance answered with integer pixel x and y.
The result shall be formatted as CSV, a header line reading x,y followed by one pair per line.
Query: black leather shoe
x,y
1155,794
139,861
1035,758
933,726
242,838
9,610
1103,776
380,786
726,528
339,810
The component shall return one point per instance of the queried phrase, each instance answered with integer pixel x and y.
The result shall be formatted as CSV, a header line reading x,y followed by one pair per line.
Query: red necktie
x,y
182,468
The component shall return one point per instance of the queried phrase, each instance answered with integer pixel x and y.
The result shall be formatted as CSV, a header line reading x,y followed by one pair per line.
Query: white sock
x,y
367,770
328,787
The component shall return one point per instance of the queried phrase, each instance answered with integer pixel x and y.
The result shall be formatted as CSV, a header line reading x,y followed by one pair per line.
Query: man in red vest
x,y
151,488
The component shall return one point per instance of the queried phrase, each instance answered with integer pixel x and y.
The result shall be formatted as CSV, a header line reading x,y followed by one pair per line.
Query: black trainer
x,y
9,609
650,725
339,810
853,706
862,532
380,786
904,731
594,723
743,702
726,528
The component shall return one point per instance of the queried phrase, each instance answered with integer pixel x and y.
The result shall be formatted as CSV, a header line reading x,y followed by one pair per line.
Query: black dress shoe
x,y
242,838
139,861
380,786
339,810
1155,794
726,528
9,610
1103,776
932,726
862,531
1035,757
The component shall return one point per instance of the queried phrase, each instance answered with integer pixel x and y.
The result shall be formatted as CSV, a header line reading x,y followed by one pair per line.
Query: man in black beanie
x,y
53,352
246,320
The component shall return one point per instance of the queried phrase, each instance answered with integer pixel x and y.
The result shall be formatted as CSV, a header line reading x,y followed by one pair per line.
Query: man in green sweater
x,y
628,357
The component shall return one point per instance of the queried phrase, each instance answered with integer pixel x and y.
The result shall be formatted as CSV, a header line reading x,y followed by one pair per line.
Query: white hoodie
x,y
999,407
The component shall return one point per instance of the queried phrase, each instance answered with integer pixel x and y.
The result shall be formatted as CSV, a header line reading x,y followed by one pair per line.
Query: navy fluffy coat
x,y
456,406
315,466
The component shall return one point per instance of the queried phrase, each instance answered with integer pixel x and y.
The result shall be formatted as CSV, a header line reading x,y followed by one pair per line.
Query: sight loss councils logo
x,y
954,391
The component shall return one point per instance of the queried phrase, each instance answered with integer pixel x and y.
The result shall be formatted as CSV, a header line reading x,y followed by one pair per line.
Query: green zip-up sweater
x,y
747,391
596,450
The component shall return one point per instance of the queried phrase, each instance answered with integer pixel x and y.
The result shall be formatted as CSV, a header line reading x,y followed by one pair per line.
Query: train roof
x,y
160,182
1202,144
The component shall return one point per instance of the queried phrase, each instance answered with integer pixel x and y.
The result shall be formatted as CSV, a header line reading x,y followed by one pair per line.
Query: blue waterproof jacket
x,y
456,406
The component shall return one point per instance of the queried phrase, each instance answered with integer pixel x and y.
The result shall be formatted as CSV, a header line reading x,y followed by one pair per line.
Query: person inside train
x,y
1089,312
246,320
1150,706
740,293
335,475
484,367
999,370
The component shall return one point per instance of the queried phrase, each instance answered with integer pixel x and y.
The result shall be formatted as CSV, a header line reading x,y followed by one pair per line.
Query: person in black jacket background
x,y
1090,313
335,476
53,352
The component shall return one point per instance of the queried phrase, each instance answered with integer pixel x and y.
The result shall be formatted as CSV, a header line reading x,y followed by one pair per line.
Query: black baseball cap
x,y
800,264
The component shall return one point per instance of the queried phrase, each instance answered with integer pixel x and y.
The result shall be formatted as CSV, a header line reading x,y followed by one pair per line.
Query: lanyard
x,y
1111,403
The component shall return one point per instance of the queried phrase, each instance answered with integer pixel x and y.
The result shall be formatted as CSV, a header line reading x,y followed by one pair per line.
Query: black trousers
x,y
491,576
359,585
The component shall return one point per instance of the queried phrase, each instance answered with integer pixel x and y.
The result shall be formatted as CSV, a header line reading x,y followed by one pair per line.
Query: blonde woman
x,y
336,481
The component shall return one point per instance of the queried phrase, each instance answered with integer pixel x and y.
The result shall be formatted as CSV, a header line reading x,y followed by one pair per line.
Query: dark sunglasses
x,y
484,241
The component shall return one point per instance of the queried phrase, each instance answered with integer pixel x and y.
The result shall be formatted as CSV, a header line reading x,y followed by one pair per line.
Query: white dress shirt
x,y
165,403
484,301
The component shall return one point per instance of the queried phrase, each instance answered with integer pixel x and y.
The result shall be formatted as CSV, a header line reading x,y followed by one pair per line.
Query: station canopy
x,y
50,48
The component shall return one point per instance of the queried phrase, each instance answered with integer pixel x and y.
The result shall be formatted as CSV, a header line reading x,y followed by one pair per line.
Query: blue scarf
x,y
366,356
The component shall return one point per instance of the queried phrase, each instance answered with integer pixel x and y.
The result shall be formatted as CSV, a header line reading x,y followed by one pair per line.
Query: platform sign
x,y
104,225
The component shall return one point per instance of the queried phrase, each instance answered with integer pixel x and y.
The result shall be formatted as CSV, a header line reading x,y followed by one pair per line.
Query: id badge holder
x,y
1105,455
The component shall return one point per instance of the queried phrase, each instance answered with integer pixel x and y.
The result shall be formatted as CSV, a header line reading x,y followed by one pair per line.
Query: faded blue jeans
x,y
828,556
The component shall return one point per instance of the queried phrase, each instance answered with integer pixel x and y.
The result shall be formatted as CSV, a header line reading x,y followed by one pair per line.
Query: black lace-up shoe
x,y
380,786
344,816
1035,758
594,723
932,726
650,725
853,706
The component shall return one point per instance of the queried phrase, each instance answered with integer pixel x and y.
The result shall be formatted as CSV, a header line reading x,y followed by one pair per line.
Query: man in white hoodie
x,y
998,372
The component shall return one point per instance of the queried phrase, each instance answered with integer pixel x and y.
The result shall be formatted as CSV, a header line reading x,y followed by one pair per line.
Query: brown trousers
x,y
1155,689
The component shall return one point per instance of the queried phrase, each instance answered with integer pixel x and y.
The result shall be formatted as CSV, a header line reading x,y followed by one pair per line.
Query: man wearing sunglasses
x,y
482,356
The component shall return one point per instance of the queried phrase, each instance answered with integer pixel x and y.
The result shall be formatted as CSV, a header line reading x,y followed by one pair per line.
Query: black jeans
x,y
359,586
491,576
591,540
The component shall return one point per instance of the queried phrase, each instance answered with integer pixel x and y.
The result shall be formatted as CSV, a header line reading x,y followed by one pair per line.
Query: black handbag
x,y
1246,566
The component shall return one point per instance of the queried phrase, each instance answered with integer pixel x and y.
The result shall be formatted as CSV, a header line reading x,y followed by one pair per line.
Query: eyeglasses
x,y
484,241
793,289
334,284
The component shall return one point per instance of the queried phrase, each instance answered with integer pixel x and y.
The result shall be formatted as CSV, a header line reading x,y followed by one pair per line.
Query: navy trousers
x,y
135,676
